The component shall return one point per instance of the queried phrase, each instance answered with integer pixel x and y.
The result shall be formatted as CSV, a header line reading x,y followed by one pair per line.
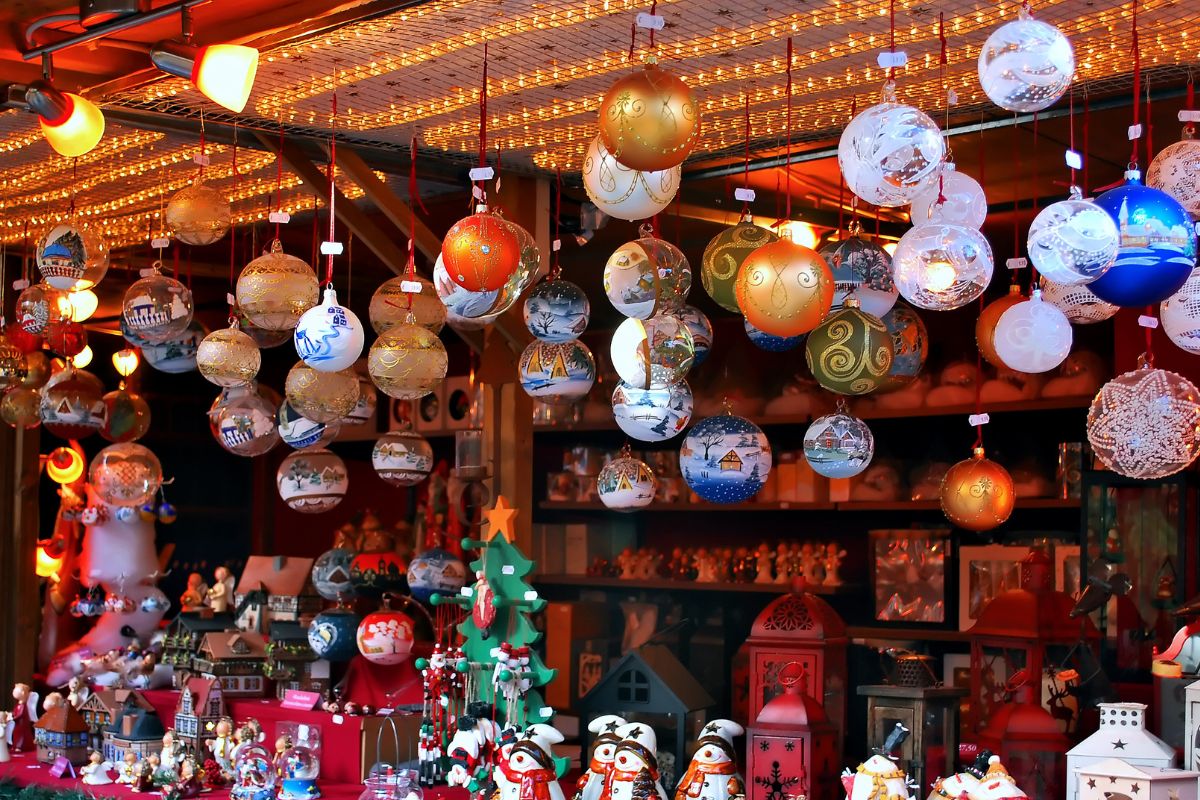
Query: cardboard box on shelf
x,y
573,630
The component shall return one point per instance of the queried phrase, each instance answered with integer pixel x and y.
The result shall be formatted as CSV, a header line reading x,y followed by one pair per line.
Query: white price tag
x,y
556,245
951,97
652,22
978,419
302,732
386,712
888,59
202,159
338,719
20,285
531,595
1073,159
1016,263
744,194
160,242
1135,132
508,569
411,287
1189,116
1147,321
230,299
279,218
465,591
477,193
482,173
146,272
331,248
547,713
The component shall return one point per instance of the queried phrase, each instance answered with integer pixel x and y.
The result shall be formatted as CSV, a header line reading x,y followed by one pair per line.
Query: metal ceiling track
x,y
118,25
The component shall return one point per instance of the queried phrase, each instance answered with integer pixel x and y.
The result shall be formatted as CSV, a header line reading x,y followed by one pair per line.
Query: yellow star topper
x,y
500,519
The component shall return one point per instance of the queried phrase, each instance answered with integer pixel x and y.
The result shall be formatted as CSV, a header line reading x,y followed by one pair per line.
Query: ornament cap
x,y
851,302
1014,288
1076,193
978,453
276,246
889,91
1133,175
330,296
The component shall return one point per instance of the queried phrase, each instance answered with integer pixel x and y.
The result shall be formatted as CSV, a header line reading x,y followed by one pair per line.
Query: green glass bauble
x,y
851,352
723,258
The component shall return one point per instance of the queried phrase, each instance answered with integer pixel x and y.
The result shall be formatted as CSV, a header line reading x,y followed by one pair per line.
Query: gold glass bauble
x,y
389,306
126,416
21,407
37,370
977,493
12,364
481,252
985,326
408,362
228,357
275,289
851,352
784,289
321,396
723,258
650,119
198,214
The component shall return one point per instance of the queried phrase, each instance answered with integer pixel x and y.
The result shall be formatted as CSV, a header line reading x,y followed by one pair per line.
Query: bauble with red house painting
x,y
386,636
372,574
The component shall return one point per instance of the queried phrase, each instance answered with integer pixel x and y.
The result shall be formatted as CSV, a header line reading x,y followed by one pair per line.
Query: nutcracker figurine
x,y
593,784
879,777
635,754
531,772
713,773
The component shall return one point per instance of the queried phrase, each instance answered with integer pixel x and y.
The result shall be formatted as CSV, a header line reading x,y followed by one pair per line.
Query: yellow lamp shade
x,y
64,465
125,361
82,358
224,73
77,130
47,565
81,305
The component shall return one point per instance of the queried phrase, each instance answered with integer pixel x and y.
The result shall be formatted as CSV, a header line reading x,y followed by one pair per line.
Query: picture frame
x,y
985,571
1068,569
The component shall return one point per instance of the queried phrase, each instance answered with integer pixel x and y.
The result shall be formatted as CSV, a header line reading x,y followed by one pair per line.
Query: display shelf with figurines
x,y
618,584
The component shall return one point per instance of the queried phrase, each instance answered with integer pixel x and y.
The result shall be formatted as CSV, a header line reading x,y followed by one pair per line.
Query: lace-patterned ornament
x,y
1144,424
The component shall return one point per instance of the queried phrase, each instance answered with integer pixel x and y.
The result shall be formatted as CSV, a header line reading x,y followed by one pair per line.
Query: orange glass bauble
x,y
650,120
985,326
481,252
784,289
977,494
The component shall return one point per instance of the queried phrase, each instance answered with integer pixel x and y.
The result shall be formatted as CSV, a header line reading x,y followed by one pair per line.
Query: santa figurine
x,y
879,777
713,774
635,765
996,784
530,771
593,784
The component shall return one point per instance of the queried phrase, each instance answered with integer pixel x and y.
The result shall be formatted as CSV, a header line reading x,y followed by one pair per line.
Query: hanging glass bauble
x,y
126,416
910,346
321,396
851,352
770,343
198,215
37,369
700,328
838,445
66,337
646,275
375,573
864,269
1073,241
178,355
557,373
12,363
977,493
408,362
784,289
39,305
723,258
435,571
890,151
385,636
73,404
125,474
649,119
390,305
625,193
263,338
1176,171
243,421
475,310
331,574
1180,315
1033,336
480,252
228,357
1158,245
1026,65
333,636
275,289
950,197
653,353
557,311
985,326
20,407
941,267
71,256
312,481
652,415
299,432
725,459
329,337
402,458
25,342
1077,302
157,308
626,483
1146,423
368,400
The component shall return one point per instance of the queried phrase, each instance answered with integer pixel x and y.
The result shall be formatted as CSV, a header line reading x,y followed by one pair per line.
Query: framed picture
x,y
1067,566
983,573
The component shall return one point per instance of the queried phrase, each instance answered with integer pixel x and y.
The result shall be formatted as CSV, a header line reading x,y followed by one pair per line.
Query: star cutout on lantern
x,y
1112,778
1091,783
500,519
1120,745
1134,788
790,746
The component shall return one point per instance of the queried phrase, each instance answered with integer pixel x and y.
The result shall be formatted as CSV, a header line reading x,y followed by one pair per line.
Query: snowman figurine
x,y
996,784
960,785
635,765
464,751
530,771
713,773
593,784
879,777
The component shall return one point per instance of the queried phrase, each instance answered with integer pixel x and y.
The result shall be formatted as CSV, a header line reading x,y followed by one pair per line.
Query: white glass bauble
x,y
157,308
941,267
72,257
652,415
1026,65
329,337
626,484
1079,303
299,432
1145,424
646,275
402,458
557,311
626,193
557,372
962,200
700,328
725,459
1176,171
1033,335
243,421
312,481
864,269
1073,241
838,445
1180,314
652,353
889,152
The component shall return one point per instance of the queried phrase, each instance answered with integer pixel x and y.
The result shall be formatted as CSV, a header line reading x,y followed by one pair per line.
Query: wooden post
x,y
19,474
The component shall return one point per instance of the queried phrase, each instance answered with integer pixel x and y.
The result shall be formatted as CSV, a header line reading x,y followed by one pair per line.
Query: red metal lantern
x,y
1028,739
792,747
480,252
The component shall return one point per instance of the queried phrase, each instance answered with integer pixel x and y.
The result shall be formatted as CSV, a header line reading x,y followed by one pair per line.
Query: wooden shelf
x,y
852,505
902,634
596,582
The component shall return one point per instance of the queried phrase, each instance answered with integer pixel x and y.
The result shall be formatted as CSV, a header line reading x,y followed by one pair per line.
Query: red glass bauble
x,y
24,341
65,337
372,574
481,252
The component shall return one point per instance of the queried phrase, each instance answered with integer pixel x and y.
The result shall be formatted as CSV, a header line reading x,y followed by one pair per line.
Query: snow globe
x,y
300,764
254,774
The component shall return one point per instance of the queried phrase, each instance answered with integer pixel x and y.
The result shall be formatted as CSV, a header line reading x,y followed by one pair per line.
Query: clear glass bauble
x,y
1026,65
889,153
408,362
402,458
243,421
625,193
941,267
300,433
228,357
264,338
725,459
1073,241
198,215
1176,171
13,369
626,484
157,308
1145,424
770,342
864,269
72,404
275,289
71,256
20,407
701,329
435,571
125,474
1033,336
910,345
331,574
1081,306
312,481
646,275
38,306
557,311
652,353
1180,315
962,200
321,396
329,337
557,373
37,370
174,356
390,306
838,445
126,416
652,415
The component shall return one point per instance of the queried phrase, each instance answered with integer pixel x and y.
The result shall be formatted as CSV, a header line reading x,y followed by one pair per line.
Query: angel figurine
x,y
193,596
220,593
24,714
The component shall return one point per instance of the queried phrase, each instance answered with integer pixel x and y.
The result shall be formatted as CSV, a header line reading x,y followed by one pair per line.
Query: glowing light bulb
x,y
48,564
125,361
64,465
81,305
83,357
77,130
940,275
800,233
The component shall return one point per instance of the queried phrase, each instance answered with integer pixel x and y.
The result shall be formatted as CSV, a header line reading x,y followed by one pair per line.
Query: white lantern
x,y
962,201
1073,241
1026,65
941,267
626,193
1033,336
1079,303
1180,314
889,152
329,337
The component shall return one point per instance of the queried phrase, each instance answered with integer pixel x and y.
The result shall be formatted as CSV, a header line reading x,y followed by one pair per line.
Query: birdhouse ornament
x,y
879,777
530,771
635,765
713,773
594,783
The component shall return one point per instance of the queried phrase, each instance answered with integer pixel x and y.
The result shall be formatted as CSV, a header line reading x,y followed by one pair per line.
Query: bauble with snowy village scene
x,y
725,459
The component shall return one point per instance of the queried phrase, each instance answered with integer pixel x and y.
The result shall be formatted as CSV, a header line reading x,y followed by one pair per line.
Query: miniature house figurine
x,y
1122,734
236,658
201,702
102,708
275,588
931,715
792,748
184,636
1113,779
1028,740
291,662
62,732
135,729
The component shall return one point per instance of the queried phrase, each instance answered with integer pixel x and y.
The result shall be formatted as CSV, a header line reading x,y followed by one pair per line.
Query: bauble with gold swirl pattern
x,y
408,362
198,215
228,357
481,252
275,289
320,396
723,258
851,352
650,119
784,289
623,192
977,493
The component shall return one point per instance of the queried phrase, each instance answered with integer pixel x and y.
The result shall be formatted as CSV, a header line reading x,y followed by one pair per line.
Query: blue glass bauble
x,y
771,343
557,311
436,571
725,459
1158,246
333,634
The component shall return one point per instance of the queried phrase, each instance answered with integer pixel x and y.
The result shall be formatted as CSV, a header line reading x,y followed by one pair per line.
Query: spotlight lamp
x,y
224,73
71,124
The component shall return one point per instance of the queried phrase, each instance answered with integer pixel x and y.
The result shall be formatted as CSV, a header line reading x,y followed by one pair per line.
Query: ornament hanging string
x,y
1190,127
203,147
1136,51
746,157
1149,126
74,186
1032,178
414,200
1149,333
1071,129
483,98
653,13
332,185
979,385
787,164
1087,131
279,176
891,39
556,246
1017,186
237,179
943,59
